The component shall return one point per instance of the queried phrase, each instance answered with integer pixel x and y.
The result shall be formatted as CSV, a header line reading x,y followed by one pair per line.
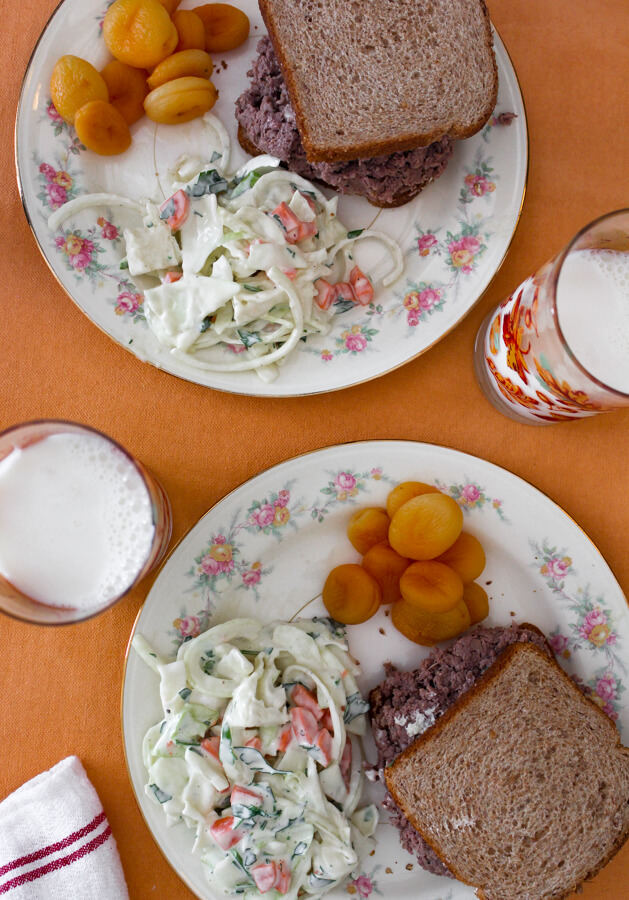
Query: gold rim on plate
x,y
251,392
349,445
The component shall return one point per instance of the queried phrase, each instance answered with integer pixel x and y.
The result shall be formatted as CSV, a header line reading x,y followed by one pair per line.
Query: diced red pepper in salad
x,y
358,289
301,696
175,210
306,230
323,743
305,726
242,796
265,876
285,737
326,721
294,229
325,293
288,220
272,875
346,762
282,883
170,277
211,745
343,290
361,286
224,833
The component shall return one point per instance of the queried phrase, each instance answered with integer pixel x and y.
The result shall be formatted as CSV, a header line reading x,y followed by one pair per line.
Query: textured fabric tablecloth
x,y
61,687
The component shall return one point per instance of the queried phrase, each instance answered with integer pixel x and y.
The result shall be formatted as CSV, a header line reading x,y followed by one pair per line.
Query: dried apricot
x,y
367,527
386,566
428,628
431,586
477,602
190,29
426,526
127,89
73,83
405,491
350,594
466,556
139,32
170,5
180,100
178,65
102,128
226,26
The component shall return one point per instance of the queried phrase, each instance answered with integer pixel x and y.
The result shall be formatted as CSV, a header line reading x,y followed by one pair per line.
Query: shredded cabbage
x,y
266,800
235,271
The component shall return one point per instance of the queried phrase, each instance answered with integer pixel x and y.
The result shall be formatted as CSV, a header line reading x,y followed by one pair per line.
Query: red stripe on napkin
x,y
59,863
52,848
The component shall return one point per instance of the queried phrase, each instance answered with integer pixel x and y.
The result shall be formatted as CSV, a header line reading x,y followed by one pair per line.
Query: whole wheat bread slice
x,y
522,786
369,77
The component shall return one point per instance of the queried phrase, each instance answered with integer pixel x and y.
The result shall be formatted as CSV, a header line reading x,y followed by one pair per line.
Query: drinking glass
x,y
535,370
120,470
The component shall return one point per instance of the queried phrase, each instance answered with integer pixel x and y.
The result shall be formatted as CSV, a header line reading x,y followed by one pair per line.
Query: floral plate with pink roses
x,y
266,548
454,235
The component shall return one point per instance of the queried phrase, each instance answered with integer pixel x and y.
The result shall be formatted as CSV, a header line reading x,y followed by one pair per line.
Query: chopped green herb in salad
x,y
250,262
257,752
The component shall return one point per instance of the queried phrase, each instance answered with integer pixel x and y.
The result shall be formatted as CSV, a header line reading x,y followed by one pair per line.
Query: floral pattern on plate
x,y
459,252
222,563
482,187
364,885
470,495
591,629
528,576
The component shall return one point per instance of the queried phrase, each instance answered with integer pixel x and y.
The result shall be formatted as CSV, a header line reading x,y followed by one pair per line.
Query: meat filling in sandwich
x,y
267,125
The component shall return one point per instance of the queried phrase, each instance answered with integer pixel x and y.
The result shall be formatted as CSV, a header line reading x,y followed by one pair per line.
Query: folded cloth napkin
x,y
55,840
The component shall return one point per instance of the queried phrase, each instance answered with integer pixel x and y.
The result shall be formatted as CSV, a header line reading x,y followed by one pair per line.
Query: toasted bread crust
x,y
322,150
436,730
247,145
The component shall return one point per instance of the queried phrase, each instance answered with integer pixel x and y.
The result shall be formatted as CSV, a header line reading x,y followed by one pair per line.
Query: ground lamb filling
x,y
407,703
266,116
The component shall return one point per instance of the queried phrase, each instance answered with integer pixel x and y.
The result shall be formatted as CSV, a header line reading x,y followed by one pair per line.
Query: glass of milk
x,y
81,522
558,348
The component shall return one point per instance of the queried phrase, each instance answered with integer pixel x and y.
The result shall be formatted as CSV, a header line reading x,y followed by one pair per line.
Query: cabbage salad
x,y
258,753
251,262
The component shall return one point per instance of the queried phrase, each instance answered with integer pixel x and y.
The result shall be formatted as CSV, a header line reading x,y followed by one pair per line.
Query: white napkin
x,y
55,840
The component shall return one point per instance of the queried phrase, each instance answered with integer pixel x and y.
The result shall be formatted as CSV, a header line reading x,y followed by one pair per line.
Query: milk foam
x,y
76,523
593,310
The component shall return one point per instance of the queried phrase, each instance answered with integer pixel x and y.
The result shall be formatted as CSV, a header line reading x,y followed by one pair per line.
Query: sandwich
x,y
521,786
368,96
405,704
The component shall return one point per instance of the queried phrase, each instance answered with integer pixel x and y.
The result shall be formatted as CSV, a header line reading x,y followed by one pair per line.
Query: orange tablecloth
x,y
61,687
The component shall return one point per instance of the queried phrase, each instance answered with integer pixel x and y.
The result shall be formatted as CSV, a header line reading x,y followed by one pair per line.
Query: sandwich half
x,y
522,786
405,704
368,96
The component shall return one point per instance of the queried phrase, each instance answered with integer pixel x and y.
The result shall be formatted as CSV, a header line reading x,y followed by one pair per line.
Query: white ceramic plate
x,y
454,235
266,548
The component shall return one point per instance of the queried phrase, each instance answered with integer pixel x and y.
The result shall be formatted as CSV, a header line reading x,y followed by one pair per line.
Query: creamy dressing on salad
x,y
251,262
257,753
